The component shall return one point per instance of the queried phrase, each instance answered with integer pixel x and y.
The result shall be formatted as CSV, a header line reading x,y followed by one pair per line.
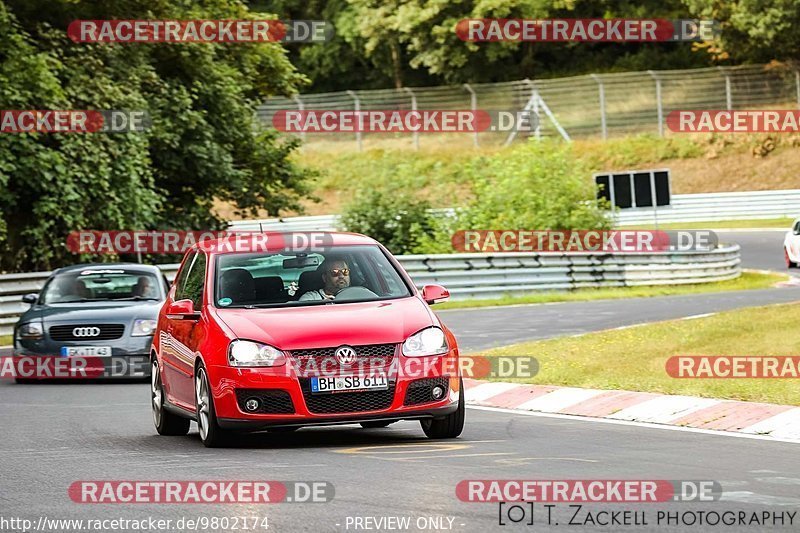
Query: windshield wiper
x,y
135,298
82,300
302,303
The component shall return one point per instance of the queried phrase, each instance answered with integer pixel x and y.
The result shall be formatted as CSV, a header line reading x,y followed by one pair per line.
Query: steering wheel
x,y
355,293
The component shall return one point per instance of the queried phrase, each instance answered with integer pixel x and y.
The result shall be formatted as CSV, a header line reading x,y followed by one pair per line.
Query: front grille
x,y
419,391
347,402
368,356
107,332
273,401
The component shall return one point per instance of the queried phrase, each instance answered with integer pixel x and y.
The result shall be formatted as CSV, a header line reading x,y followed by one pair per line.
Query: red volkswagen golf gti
x,y
257,337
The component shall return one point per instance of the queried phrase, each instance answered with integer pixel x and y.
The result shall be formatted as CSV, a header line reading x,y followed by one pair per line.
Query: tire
x,y
789,262
377,424
166,423
450,426
211,434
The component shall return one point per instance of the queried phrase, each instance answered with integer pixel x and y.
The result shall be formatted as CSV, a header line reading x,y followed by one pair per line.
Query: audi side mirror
x,y
30,298
182,310
434,293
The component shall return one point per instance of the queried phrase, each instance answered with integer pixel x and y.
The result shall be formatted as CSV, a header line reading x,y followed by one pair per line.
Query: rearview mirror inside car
x,y
301,261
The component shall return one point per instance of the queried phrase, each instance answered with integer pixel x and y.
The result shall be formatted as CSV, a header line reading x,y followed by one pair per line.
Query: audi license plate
x,y
349,383
86,351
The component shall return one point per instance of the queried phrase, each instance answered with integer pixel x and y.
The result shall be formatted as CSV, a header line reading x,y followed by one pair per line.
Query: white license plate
x,y
86,351
349,383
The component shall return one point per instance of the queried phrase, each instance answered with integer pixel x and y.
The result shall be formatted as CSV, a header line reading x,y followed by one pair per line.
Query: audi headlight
x,y
429,341
31,331
249,353
142,327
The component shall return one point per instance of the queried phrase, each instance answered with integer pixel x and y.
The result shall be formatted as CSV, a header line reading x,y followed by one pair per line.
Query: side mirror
x,y
182,310
30,298
434,293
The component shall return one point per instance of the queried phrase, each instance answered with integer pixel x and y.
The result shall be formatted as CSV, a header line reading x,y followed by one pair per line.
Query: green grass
x,y
634,358
747,281
784,223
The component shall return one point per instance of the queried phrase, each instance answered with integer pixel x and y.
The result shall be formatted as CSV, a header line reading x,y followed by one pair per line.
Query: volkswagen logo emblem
x,y
86,332
346,355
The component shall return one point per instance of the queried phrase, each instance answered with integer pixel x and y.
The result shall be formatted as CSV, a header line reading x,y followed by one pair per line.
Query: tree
x,y
205,142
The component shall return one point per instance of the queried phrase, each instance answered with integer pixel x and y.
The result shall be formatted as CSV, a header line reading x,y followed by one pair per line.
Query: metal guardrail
x,y
685,208
491,275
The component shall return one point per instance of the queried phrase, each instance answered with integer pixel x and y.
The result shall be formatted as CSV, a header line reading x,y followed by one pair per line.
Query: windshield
x,y
102,285
346,274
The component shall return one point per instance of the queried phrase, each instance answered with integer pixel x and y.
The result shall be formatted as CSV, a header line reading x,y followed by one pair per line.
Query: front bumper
x,y
130,358
231,386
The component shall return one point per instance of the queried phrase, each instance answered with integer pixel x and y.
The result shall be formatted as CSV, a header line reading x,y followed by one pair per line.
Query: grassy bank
x,y
634,358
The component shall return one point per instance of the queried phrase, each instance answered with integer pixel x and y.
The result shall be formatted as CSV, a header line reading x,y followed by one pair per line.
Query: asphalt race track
x,y
63,433
67,433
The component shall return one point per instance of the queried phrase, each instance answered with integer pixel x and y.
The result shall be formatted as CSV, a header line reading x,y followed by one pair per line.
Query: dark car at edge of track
x,y
105,313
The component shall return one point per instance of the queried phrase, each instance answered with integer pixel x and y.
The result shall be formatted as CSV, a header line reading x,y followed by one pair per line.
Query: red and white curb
x,y
781,422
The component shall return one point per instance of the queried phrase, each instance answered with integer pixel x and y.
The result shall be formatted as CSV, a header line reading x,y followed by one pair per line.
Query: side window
x,y
180,278
195,281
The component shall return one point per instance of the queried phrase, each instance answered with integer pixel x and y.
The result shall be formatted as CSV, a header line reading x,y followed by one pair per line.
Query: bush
x,y
538,186
393,217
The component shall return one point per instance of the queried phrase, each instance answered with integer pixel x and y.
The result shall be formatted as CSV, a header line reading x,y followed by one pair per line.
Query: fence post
x,y
602,94
535,100
473,104
728,95
357,108
300,107
797,83
658,103
413,109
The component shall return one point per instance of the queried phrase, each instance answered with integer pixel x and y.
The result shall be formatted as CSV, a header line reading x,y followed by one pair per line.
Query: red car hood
x,y
319,326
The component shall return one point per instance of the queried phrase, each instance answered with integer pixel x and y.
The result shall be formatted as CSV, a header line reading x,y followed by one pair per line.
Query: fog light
x,y
437,392
252,404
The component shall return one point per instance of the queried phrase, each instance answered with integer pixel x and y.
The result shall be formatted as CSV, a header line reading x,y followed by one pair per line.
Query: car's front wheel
x,y
450,426
212,435
789,262
166,423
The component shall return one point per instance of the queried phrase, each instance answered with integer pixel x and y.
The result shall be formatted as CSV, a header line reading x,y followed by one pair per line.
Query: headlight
x,y
429,341
31,330
143,327
249,353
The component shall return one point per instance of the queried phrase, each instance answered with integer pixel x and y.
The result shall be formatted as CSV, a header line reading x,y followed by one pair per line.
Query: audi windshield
x,y
102,285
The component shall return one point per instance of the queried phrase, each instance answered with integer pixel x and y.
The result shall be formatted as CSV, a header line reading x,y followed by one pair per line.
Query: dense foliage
x,y
394,43
205,143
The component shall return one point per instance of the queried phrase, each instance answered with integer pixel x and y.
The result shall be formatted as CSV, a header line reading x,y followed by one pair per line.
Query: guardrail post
x,y
300,107
357,108
728,95
535,101
473,105
414,109
659,105
602,95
